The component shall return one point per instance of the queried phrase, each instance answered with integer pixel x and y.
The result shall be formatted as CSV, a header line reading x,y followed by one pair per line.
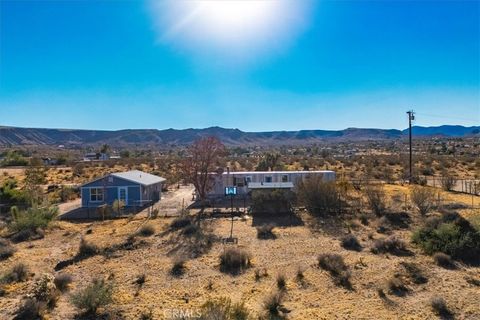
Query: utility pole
x,y
411,117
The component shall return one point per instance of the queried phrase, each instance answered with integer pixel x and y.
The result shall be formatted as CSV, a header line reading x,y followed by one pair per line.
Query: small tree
x,y
203,158
318,196
34,178
376,199
423,199
448,182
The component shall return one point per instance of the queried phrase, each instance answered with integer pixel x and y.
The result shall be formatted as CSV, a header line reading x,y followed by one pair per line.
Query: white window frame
x,y
269,177
98,192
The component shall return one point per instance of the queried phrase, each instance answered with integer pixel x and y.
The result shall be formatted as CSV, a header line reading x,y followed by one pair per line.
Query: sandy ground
x,y
296,246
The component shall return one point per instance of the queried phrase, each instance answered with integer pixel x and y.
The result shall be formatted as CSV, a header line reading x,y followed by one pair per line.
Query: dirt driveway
x,y
173,200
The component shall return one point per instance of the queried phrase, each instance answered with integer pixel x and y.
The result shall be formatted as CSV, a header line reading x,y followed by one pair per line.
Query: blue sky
x,y
304,64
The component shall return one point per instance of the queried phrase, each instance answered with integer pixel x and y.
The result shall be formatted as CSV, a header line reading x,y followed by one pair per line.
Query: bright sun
x,y
239,25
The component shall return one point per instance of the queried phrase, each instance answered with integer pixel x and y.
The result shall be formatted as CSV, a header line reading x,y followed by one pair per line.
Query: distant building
x,y
247,181
95,156
49,161
134,188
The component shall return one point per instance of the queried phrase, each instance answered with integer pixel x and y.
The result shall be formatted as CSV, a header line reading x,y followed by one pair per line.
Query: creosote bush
x,y
178,267
439,307
223,309
29,309
397,286
180,223
266,232
423,198
350,242
444,260
234,260
62,281
18,273
319,197
334,264
392,244
376,199
414,272
6,249
451,234
87,249
95,295
146,230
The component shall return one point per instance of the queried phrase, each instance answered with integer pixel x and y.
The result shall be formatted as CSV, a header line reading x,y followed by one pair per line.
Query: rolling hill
x,y
14,136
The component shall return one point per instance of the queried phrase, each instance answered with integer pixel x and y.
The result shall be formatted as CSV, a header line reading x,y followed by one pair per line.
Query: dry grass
x,y
295,245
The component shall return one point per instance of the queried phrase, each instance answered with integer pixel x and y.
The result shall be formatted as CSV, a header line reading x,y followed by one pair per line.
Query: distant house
x,y
245,182
135,188
95,156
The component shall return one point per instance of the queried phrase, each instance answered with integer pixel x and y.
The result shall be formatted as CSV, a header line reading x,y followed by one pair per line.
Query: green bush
x,y
223,309
452,235
276,201
32,219
95,295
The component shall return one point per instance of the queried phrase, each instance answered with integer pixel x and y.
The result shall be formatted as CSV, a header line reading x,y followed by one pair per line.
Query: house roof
x,y
139,177
135,176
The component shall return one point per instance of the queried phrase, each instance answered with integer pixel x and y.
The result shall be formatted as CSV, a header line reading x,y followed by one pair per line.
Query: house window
x,y
285,178
96,194
268,179
248,179
239,182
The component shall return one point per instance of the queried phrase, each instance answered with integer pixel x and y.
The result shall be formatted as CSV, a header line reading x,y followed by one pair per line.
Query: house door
x,y
123,194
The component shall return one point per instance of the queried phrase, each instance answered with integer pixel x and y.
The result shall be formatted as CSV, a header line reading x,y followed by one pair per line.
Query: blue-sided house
x,y
135,188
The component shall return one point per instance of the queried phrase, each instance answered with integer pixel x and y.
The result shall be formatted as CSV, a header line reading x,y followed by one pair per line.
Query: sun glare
x,y
234,25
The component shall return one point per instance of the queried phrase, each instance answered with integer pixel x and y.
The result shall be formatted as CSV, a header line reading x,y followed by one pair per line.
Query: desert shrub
x,y
30,309
423,199
234,260
6,249
260,273
276,201
350,242
300,276
319,197
452,235
273,305
439,307
95,295
397,286
86,249
19,272
44,290
334,264
62,280
140,279
178,267
223,309
392,244
448,182
281,281
376,199
31,220
414,273
180,222
266,232
146,230
444,260
154,214
146,315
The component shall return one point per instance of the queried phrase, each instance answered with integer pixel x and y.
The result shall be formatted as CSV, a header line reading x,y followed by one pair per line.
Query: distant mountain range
x,y
15,136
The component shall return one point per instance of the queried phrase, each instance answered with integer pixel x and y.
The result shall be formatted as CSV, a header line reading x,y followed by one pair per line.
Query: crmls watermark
x,y
181,313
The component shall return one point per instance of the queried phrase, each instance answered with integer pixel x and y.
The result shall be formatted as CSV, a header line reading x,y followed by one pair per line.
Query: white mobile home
x,y
250,180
